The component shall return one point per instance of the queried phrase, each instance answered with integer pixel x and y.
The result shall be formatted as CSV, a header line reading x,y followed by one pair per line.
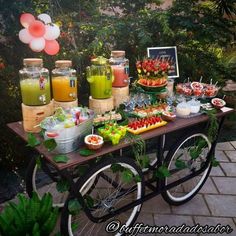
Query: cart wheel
x,y
39,181
109,192
180,163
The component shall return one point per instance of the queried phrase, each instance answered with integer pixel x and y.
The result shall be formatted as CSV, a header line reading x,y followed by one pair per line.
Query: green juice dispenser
x,y
100,77
34,83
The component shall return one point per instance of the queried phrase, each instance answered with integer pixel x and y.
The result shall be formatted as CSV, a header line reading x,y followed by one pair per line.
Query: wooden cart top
x,y
75,158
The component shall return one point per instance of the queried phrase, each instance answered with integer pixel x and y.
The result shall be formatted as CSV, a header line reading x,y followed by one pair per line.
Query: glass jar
x,y
64,82
100,77
34,83
120,68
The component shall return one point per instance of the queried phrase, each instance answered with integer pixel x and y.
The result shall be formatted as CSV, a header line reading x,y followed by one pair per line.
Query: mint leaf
x,y
32,140
61,158
127,175
62,186
50,144
86,152
116,168
74,207
180,164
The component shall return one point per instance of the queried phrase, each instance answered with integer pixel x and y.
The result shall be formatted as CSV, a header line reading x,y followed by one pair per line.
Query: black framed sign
x,y
169,54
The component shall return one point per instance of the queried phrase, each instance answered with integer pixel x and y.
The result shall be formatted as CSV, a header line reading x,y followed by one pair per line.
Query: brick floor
x,y
214,204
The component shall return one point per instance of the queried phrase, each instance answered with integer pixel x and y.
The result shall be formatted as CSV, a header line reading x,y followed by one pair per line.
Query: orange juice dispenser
x,y
64,82
35,92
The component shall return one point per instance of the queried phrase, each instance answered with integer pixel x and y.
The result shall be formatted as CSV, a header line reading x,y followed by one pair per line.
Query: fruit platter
x,y
151,110
141,125
218,103
112,132
107,117
197,89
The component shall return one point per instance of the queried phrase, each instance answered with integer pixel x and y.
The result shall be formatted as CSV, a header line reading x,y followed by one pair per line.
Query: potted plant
x,y
32,216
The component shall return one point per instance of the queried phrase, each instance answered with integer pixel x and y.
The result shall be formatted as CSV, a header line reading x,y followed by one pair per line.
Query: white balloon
x,y
52,32
37,44
25,36
45,18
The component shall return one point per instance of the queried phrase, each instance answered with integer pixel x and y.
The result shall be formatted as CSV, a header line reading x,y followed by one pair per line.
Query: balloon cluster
x,y
40,33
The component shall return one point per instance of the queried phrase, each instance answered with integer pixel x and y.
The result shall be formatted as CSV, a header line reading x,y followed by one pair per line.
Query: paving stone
x,y
208,187
222,205
220,156
216,171
233,143
225,185
173,220
156,205
231,155
196,206
229,168
224,146
213,221
146,219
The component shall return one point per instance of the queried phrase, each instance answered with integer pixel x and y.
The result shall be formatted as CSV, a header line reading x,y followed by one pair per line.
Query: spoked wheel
x,y
109,192
39,181
188,156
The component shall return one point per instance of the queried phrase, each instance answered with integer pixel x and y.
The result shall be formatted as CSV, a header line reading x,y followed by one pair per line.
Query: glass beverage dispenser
x,y
34,83
64,82
120,68
100,77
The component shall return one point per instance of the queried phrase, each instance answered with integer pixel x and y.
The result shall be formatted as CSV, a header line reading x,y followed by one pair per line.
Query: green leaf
x,y
194,153
180,164
144,161
201,143
50,144
74,226
214,162
86,152
80,170
38,162
74,206
32,140
162,172
116,168
137,178
62,186
127,175
89,201
60,158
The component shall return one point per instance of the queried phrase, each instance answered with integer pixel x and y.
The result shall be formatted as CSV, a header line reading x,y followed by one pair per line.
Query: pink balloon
x,y
37,44
26,19
25,36
52,47
37,28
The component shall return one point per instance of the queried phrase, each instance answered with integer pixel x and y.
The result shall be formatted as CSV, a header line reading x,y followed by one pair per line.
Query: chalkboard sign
x,y
169,54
